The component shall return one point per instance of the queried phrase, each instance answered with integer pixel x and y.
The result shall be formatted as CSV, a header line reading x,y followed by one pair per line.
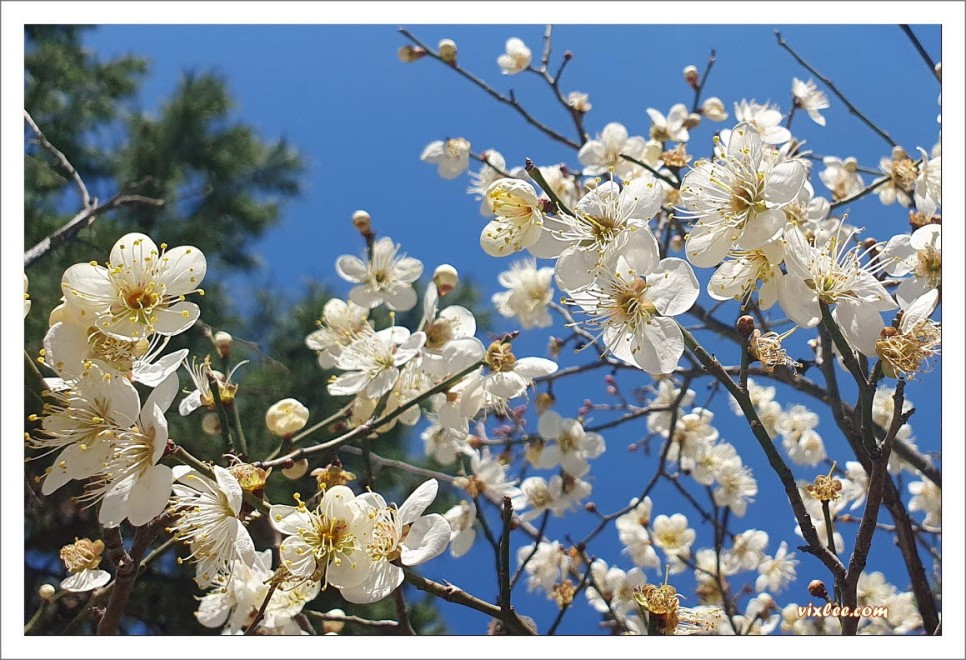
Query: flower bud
x,y
445,278
691,75
46,592
939,70
579,101
334,627
817,589
223,341
447,51
297,470
286,417
714,109
210,424
362,221
409,53
694,119
745,326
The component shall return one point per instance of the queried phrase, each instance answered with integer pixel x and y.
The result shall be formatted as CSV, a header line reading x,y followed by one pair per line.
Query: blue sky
x,y
361,117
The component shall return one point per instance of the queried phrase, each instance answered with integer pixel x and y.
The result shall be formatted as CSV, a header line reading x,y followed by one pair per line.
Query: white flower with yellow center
x,y
202,395
372,362
571,447
516,58
403,535
386,277
208,521
909,348
834,274
519,218
131,485
327,543
84,422
452,157
617,588
341,324
918,256
736,486
449,331
927,497
140,291
672,127
633,531
766,118
900,178
548,566
69,345
736,199
608,221
841,177
672,534
505,377
608,148
775,573
489,172
632,302
737,278
803,444
528,295
928,191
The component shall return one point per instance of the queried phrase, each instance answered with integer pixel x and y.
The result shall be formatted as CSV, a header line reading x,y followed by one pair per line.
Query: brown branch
x,y
85,196
863,539
453,594
405,626
348,618
922,51
250,630
704,79
506,100
84,218
128,569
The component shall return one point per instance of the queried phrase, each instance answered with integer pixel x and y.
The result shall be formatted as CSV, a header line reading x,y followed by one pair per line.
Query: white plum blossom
x,y
928,190
666,396
140,291
549,565
452,157
670,128
811,99
672,534
461,519
632,528
736,486
341,324
609,221
766,118
713,108
505,377
489,172
736,199
919,258
404,534
630,306
208,519
528,295
841,177
606,151
617,588
927,497
801,440
833,274
445,445
571,447
386,278
372,362
519,218
775,573
748,548
516,58
737,278
900,178
327,543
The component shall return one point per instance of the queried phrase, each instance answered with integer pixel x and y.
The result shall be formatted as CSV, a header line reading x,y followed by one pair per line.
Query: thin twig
x,y
348,618
704,79
453,594
835,90
86,202
405,626
922,51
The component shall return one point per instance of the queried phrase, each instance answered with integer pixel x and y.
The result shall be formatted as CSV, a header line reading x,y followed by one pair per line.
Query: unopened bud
x,y
446,278
590,507
691,75
46,592
286,417
223,341
409,54
362,221
210,424
544,401
694,119
297,470
888,331
745,326
817,589
713,108
939,70
334,626
447,51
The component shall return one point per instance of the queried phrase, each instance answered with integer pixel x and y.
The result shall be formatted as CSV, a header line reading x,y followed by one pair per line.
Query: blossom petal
x,y
427,538
672,288
418,501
